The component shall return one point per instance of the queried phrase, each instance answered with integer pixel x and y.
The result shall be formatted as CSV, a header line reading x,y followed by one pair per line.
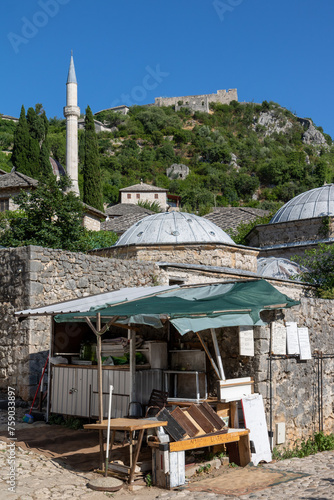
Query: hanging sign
x,y
246,341
292,338
278,343
304,343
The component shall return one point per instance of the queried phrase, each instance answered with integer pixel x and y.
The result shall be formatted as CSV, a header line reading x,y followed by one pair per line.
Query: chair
x,y
157,401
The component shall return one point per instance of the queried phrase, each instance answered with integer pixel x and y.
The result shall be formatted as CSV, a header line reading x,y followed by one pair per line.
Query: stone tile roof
x,y
231,217
123,216
143,188
16,180
94,211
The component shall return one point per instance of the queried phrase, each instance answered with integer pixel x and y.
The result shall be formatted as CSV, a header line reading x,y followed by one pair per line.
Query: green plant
x,y
150,205
203,469
233,465
325,226
148,480
318,442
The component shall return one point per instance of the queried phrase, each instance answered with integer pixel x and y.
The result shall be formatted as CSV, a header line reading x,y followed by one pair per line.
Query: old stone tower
x,y
72,113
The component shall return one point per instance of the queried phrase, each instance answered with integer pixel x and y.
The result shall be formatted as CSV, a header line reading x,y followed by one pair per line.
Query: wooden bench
x,y
238,436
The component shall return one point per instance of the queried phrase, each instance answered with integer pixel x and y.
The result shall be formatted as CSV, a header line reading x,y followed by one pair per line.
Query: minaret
x,y
72,113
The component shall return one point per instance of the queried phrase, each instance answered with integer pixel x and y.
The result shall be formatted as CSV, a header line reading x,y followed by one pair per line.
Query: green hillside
x,y
238,154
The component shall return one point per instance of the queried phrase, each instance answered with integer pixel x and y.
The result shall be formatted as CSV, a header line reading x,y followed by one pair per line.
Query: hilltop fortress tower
x,y
72,113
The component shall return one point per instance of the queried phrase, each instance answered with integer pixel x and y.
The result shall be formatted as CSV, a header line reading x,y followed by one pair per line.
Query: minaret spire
x,y
72,113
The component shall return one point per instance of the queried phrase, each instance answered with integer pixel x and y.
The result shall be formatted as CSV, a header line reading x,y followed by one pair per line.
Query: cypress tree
x,y
45,169
21,144
92,192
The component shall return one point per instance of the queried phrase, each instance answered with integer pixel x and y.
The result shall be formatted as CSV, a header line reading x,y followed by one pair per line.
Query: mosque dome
x,y
317,202
278,267
173,228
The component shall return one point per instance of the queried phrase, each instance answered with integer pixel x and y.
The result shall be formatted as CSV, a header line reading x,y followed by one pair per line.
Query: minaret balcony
x,y
72,111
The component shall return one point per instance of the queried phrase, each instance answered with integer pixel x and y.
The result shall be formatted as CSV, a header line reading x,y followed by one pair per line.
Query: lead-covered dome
x,y
317,202
278,267
174,227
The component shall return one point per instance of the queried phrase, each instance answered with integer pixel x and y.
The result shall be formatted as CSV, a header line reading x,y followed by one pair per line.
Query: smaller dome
x,y
173,227
276,267
317,202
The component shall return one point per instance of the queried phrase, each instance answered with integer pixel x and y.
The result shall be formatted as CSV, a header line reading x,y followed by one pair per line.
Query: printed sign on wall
x,y
278,343
246,341
292,338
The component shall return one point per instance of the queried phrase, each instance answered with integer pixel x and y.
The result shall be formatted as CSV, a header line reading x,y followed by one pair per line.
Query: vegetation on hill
x,y
92,189
234,158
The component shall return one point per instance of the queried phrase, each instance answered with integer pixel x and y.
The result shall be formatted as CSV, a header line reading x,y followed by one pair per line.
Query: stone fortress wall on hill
x,y
198,102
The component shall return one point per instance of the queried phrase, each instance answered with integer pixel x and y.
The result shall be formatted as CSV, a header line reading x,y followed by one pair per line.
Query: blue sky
x,y
132,51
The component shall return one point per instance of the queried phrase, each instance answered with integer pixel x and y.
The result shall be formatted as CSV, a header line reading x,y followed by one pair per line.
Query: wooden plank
x,y
244,451
181,417
207,415
205,347
217,422
201,419
173,428
203,441
195,424
234,418
224,413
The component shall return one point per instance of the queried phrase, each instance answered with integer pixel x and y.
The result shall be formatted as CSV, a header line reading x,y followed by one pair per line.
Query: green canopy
x,y
195,308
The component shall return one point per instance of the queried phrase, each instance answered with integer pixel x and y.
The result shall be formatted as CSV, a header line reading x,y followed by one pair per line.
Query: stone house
x,y
144,192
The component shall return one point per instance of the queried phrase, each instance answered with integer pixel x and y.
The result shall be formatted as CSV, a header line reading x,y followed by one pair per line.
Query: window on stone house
x,y
156,196
129,196
138,196
4,205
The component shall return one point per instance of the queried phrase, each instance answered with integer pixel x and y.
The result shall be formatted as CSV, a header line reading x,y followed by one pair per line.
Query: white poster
x,y
304,343
246,341
278,344
292,338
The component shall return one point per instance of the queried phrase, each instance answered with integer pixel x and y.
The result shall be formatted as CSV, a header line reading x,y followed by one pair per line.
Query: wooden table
x,y
130,425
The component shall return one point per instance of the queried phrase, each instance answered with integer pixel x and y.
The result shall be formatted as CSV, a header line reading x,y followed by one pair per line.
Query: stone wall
x,y
210,254
34,276
285,239
150,196
294,383
222,96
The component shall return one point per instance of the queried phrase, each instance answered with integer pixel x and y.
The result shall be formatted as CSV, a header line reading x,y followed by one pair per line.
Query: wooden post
x,y
218,356
100,385
205,347
132,336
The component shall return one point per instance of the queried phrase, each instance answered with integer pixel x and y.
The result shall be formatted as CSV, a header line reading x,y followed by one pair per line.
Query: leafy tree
x,y
239,234
47,217
318,269
92,194
51,218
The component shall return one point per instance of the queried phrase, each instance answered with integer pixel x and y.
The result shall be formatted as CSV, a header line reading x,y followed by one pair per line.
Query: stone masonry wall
x,y
294,382
222,96
285,233
209,254
34,276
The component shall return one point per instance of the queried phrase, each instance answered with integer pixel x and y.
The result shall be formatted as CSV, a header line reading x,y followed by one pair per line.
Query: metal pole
x,y
108,430
271,433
